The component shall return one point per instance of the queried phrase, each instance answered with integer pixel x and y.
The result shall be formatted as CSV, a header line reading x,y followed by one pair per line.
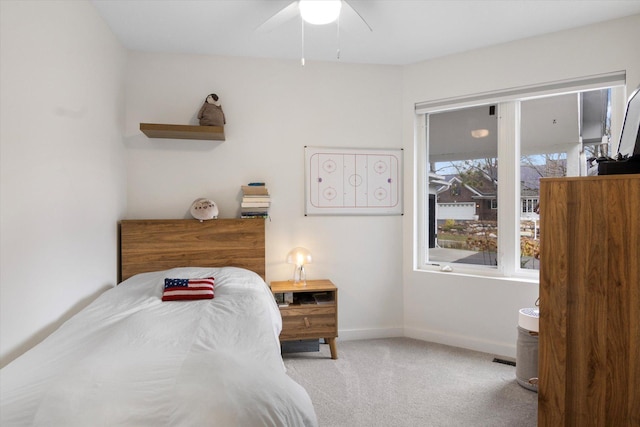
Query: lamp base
x,y
299,276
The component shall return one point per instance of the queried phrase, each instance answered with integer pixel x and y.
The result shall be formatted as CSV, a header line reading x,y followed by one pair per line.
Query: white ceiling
x,y
404,31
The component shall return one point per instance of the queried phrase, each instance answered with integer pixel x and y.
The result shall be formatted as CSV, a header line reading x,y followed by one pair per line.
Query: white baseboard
x,y
463,341
369,334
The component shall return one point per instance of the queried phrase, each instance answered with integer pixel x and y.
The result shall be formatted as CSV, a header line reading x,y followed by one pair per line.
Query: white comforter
x,y
129,359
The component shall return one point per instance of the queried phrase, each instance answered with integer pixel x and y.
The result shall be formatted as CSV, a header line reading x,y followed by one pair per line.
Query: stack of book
x,y
255,201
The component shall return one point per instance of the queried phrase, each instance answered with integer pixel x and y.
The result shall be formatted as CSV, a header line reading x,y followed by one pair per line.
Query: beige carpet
x,y
406,382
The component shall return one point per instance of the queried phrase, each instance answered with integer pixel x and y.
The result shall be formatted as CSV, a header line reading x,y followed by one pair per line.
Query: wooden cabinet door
x,y
589,355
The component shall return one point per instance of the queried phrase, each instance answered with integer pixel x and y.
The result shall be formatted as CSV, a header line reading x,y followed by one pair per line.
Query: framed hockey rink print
x,y
353,181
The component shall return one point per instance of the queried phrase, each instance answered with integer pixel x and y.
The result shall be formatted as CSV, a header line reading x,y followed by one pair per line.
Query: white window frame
x,y
508,111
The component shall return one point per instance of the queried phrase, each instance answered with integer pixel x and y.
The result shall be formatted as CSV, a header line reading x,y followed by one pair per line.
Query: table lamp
x,y
299,256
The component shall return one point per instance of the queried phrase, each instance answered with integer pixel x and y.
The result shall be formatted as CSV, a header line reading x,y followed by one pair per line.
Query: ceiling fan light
x,y
319,12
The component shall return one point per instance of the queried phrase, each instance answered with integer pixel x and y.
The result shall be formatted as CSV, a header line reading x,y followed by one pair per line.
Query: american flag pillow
x,y
187,289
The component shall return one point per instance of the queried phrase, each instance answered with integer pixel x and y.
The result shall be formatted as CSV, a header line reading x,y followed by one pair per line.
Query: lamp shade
x,y
319,12
299,256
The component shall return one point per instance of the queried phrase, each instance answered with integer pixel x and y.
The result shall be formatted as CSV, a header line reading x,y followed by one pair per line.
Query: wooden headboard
x,y
151,245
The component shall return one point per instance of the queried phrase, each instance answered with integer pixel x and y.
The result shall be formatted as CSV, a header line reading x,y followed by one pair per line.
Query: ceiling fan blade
x,y
285,14
358,13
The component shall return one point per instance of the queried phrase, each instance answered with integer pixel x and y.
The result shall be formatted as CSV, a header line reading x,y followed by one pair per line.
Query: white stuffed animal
x,y
204,209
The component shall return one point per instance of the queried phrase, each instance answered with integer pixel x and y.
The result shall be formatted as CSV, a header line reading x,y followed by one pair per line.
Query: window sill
x,y
478,273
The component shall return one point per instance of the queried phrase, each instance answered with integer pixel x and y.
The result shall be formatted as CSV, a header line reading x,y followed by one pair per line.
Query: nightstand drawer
x,y
303,322
308,310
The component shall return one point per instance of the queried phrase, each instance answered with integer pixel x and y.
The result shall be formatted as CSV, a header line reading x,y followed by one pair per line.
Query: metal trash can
x,y
527,348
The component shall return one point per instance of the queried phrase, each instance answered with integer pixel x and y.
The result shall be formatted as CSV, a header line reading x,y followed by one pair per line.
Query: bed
x,y
132,359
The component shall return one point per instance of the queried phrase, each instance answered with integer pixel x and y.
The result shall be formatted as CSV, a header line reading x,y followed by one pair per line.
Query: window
x,y
529,206
476,155
464,179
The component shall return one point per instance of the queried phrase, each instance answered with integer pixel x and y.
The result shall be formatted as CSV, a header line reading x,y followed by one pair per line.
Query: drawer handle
x,y
306,322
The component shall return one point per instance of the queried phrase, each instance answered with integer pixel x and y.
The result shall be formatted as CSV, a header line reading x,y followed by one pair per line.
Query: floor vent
x,y
504,362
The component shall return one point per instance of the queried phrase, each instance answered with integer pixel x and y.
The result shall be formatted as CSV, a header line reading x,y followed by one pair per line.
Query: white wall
x,y
474,312
62,165
274,108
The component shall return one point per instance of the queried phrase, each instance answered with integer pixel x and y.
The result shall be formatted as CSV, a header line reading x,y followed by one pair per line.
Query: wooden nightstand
x,y
307,319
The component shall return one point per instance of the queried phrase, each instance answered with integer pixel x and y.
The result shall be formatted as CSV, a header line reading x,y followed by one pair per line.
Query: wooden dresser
x,y
589,342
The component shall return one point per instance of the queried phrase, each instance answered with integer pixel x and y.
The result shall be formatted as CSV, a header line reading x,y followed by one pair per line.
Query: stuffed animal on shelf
x,y
204,209
211,113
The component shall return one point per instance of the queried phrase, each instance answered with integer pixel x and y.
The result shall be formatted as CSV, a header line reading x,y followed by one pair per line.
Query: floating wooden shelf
x,y
153,130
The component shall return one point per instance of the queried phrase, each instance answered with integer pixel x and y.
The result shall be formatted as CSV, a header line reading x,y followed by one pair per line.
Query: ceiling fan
x,y
315,12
